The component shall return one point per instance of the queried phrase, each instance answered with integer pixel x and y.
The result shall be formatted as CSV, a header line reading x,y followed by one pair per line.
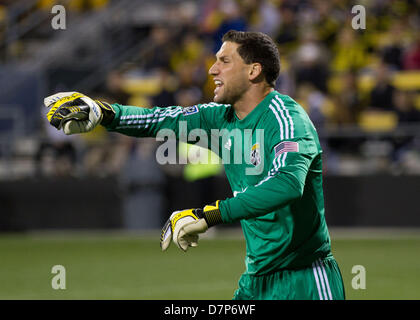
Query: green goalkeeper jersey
x,y
272,159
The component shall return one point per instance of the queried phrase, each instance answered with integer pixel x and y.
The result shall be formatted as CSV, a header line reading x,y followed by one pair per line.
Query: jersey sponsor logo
x,y
286,146
255,154
190,110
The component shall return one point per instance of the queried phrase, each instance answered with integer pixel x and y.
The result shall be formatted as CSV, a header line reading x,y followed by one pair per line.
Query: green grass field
x,y
125,266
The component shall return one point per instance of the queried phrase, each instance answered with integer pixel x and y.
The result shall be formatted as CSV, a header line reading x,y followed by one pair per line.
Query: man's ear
x,y
255,71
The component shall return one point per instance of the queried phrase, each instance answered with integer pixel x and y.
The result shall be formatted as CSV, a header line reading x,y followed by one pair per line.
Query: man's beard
x,y
230,96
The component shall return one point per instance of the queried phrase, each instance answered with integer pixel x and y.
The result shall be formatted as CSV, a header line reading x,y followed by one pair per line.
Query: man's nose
x,y
213,70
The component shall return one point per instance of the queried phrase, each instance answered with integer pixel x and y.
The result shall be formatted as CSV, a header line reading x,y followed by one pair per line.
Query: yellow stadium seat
x,y
417,101
144,86
46,4
366,82
378,120
139,100
407,80
335,84
99,4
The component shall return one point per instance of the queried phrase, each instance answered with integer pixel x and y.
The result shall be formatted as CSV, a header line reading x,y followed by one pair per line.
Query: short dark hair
x,y
257,47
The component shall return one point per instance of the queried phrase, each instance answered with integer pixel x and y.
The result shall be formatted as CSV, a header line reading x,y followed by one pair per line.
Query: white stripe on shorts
x,y
321,277
326,279
317,282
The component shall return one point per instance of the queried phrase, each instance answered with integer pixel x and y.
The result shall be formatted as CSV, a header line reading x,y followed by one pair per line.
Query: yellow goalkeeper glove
x,y
183,227
76,113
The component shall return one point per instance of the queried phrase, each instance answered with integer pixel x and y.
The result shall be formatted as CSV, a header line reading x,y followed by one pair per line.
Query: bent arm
x,y
283,184
274,193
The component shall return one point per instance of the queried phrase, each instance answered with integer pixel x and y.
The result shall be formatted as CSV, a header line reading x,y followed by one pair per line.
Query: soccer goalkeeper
x,y
280,206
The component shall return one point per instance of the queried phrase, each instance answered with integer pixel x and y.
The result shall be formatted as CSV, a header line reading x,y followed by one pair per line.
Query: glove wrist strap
x,y
107,111
211,214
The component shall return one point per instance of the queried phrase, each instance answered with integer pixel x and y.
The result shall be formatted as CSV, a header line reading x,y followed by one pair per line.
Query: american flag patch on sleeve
x,y
286,146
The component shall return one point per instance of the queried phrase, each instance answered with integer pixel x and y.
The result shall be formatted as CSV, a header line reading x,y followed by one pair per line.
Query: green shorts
x,y
321,281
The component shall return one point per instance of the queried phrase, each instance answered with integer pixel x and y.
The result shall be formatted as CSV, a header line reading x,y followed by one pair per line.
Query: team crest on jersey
x,y
255,154
190,110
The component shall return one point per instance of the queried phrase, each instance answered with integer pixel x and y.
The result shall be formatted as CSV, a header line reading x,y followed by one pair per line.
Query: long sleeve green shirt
x,y
272,159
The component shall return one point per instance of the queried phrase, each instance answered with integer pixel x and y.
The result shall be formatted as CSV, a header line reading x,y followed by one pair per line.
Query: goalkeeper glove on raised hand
x,y
76,113
183,227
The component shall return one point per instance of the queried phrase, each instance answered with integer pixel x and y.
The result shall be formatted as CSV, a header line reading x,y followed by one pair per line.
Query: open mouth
x,y
218,84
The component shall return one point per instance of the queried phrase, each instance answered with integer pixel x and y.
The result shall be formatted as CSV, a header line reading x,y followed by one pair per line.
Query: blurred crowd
x,y
343,77
365,79
360,87
324,60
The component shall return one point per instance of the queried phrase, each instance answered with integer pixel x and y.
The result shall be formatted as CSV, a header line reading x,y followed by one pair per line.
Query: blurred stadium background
x,y
361,89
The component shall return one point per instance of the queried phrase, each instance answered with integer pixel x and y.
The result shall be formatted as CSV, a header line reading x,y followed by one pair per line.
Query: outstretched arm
x,y
76,113
146,122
